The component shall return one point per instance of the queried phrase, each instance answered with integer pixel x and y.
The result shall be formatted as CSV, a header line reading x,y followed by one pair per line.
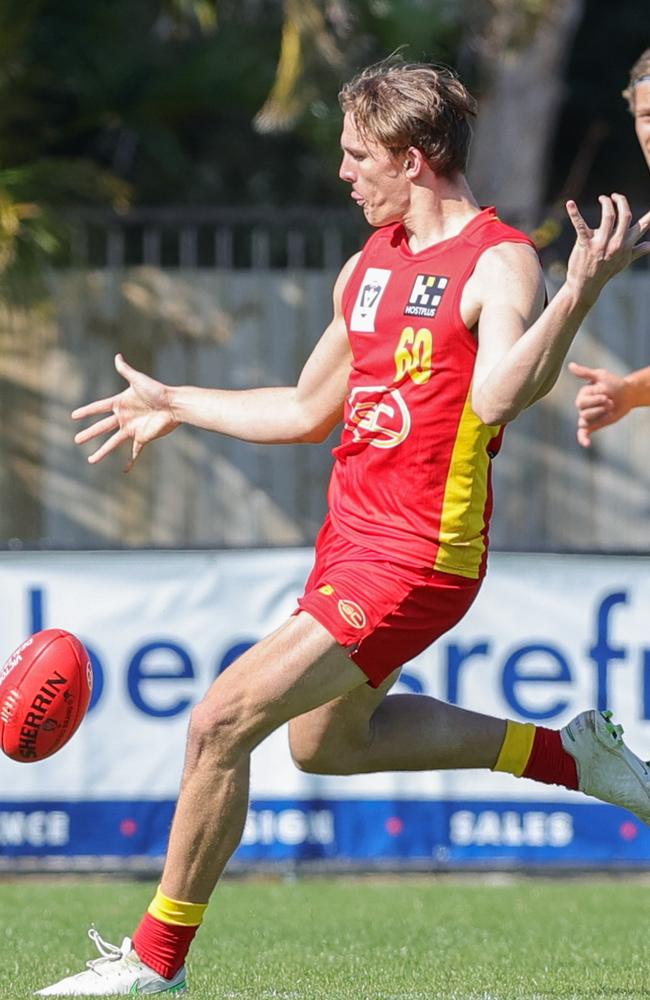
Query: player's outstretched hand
x,y
602,401
599,254
140,413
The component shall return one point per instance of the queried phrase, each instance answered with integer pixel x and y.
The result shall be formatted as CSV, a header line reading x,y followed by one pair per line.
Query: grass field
x,y
357,939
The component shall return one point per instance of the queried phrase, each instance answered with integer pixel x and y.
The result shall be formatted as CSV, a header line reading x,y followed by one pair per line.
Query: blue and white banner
x,y
547,637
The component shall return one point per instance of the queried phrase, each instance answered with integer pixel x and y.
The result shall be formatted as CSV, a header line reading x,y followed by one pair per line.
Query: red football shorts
x,y
382,612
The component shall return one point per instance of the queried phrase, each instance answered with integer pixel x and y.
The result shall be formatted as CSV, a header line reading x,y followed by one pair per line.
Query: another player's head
x,y
637,94
402,120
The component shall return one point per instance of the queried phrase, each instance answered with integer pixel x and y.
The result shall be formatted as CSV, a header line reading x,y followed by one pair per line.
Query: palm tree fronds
x,y
305,35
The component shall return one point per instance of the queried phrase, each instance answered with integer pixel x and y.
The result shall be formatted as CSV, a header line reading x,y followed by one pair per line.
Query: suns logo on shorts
x,y
379,415
352,613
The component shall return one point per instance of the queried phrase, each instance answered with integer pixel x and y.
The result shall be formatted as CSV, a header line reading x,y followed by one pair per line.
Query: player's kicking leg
x,y
292,671
369,730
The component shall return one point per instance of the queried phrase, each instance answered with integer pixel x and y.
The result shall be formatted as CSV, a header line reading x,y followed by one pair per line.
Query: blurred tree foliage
x,y
594,148
191,102
232,101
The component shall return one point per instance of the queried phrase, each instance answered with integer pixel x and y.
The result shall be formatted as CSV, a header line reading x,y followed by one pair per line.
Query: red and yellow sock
x,y
165,933
530,751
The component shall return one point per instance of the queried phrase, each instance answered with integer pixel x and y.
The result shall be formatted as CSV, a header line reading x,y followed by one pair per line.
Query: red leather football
x,y
45,688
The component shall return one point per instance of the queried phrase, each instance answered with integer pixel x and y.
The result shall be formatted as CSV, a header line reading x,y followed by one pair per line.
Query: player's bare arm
x,y
305,412
507,297
147,409
606,397
517,364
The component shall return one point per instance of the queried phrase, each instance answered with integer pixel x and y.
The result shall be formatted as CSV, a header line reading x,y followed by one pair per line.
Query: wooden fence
x,y
239,328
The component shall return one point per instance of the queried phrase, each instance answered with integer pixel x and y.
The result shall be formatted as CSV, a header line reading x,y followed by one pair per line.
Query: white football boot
x,y
117,972
607,769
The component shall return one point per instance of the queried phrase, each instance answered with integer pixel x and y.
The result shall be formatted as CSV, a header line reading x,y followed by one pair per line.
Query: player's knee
x,y
318,762
318,754
218,726
309,759
208,727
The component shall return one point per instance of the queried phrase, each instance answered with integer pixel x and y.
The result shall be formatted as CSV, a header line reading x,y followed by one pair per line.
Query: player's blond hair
x,y
640,71
398,104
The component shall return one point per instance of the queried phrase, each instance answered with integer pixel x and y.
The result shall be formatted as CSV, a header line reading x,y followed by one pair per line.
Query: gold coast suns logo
x,y
378,415
352,613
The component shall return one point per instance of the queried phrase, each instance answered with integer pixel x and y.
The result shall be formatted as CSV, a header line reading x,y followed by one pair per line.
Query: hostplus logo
x,y
426,295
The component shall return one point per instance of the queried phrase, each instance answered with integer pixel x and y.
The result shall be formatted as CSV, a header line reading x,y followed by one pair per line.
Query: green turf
x,y
357,939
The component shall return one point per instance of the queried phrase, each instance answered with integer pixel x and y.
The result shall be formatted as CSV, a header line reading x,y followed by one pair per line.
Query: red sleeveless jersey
x,y
411,477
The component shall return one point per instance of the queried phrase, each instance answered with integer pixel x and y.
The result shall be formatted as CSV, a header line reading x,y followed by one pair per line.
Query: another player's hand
x,y
140,413
602,401
599,254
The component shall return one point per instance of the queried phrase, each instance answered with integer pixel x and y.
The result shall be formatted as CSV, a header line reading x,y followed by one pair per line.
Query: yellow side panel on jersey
x,y
462,518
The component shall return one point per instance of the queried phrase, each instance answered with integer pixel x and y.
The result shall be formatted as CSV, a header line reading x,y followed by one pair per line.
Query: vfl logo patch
x,y
426,295
365,308
326,589
378,415
352,613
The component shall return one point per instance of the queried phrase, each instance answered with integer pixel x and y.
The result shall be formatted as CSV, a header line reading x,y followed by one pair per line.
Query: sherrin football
x,y
45,688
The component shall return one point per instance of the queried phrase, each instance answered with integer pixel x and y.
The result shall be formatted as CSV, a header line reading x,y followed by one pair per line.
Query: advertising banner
x,y
547,637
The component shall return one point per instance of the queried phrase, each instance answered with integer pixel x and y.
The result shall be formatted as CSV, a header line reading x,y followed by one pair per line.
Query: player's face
x,y
642,116
379,185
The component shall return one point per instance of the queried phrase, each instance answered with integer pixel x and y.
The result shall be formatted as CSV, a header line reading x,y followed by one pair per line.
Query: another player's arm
x,y
607,397
519,356
638,387
308,411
